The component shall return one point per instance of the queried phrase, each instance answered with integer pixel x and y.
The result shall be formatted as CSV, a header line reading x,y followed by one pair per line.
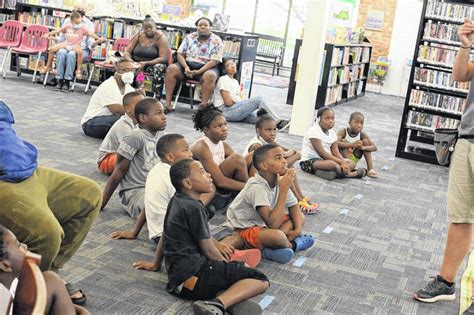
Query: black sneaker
x,y
60,87
283,124
436,290
67,84
53,82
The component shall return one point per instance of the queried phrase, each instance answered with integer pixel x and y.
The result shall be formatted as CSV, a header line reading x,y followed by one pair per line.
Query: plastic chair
x,y
120,44
169,61
32,43
30,296
10,36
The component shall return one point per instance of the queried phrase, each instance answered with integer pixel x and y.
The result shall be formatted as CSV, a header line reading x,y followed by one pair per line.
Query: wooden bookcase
x,y
344,74
434,99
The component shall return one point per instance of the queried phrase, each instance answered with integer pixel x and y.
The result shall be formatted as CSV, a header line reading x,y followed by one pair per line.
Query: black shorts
x,y
197,66
217,276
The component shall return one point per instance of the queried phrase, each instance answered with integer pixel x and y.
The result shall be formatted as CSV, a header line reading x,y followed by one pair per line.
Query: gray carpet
x,y
388,244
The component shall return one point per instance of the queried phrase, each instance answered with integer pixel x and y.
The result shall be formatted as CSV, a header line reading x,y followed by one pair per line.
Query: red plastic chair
x,y
10,36
32,43
120,44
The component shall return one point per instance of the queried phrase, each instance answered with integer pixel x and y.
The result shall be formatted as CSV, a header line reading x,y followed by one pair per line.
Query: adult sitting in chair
x,y
49,210
66,60
198,58
105,106
149,48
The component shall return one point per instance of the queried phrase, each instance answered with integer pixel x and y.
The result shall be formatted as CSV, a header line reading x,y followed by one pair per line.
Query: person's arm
x,y
297,219
55,32
116,109
224,249
114,180
341,134
133,233
209,65
371,147
272,217
163,51
154,265
94,36
228,151
209,250
291,156
226,98
463,69
254,147
130,47
202,153
318,147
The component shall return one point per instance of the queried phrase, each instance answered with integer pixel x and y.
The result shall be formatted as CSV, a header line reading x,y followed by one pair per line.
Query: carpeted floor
x,y
389,243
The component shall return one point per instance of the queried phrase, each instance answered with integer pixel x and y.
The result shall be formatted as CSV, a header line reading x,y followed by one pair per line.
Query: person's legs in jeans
x,y
70,65
241,111
98,127
60,63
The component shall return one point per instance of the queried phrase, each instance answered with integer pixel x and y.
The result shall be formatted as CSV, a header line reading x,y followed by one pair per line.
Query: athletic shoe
x,y
251,257
208,307
247,307
283,124
281,255
436,290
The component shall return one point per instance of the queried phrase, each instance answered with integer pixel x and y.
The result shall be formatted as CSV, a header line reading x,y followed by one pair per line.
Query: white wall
x,y
402,47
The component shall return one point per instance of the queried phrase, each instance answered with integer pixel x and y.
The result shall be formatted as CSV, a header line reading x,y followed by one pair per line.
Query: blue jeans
x,y
246,110
66,63
98,127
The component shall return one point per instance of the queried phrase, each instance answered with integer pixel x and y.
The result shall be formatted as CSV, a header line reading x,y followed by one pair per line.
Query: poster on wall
x,y
246,79
221,22
374,20
342,13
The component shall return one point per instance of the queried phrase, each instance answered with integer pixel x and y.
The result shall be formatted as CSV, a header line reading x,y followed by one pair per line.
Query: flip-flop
x,y
251,256
281,255
372,173
73,289
303,242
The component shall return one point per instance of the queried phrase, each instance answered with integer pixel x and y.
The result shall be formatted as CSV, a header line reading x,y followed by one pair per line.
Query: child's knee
x,y
365,142
280,239
264,285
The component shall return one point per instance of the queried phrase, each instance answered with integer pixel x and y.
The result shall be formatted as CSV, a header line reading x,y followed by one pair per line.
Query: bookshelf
x,y
344,74
434,99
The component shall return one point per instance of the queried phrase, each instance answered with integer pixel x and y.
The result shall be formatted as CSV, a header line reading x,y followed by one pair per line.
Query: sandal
x,y
308,207
372,173
251,256
72,289
303,242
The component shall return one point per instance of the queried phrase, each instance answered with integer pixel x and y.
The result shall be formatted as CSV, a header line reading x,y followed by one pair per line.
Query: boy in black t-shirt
x,y
196,269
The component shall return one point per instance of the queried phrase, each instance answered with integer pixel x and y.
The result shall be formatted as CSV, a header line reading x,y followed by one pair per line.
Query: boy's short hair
x,y
120,61
260,154
166,143
128,97
3,245
355,114
144,105
180,171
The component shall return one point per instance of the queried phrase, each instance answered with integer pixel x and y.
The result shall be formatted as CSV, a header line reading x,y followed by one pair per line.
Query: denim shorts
x,y
217,276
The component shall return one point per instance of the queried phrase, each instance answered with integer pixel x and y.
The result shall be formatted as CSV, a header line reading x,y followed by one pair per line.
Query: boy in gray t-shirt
x,y
266,213
136,157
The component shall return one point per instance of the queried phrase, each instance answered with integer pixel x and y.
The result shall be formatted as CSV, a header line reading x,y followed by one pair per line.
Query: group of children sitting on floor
x,y
175,187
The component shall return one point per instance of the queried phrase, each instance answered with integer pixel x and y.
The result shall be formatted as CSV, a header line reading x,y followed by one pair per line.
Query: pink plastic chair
x,y
32,43
120,44
10,36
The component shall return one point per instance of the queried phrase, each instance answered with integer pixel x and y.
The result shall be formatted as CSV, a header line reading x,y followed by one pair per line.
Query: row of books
x,y
437,55
174,38
431,100
40,18
333,94
355,88
4,17
439,79
346,74
359,54
430,121
349,55
100,51
455,12
441,31
340,56
114,29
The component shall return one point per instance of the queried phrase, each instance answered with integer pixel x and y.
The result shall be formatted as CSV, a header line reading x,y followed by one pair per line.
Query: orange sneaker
x,y
251,256
308,207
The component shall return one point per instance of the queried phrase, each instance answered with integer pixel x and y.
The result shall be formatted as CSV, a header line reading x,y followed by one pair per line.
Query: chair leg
x,y
46,75
89,80
177,95
18,69
4,72
36,68
273,70
191,95
73,85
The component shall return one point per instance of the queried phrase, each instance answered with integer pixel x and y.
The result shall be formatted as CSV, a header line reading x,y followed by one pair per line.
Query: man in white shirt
x,y
105,106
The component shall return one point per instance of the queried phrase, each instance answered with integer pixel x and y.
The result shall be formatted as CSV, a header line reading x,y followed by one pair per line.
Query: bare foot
x,y
117,235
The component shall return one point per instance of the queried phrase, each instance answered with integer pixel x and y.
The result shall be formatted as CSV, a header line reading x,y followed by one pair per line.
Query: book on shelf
x,y
337,56
435,101
351,89
333,95
442,32
430,121
448,11
437,55
360,86
118,28
439,79
40,18
129,30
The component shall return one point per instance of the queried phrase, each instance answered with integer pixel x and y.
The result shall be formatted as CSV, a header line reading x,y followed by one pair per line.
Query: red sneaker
x,y
251,257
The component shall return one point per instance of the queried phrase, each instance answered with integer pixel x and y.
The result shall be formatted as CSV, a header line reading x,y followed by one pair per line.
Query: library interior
x,y
354,118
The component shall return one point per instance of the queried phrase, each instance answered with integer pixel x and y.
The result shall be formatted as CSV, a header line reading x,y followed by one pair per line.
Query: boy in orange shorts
x,y
107,155
266,213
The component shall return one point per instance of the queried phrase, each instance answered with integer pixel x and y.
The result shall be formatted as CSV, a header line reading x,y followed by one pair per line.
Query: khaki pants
x,y
51,212
461,184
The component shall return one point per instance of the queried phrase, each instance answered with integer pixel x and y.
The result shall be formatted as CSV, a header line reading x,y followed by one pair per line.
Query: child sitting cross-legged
x,y
266,128
320,153
354,143
266,213
107,155
196,269
136,157
12,257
